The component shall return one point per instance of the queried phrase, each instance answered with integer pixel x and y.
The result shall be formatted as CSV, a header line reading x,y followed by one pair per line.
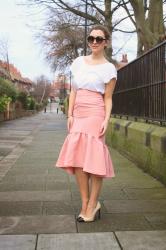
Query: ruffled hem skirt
x,y
84,147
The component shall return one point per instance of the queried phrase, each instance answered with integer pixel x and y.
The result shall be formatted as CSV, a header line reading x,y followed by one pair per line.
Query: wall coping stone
x,y
150,135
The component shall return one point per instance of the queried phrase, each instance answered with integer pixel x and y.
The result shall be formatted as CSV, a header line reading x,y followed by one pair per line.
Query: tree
x,y
99,12
4,51
41,89
148,21
63,42
146,17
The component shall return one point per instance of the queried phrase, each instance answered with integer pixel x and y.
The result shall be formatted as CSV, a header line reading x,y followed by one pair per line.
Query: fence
x,y
141,87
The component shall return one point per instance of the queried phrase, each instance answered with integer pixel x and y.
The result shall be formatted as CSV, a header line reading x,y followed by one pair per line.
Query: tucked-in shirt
x,y
91,76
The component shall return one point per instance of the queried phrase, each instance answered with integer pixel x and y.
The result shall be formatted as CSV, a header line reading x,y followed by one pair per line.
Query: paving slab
x,y
7,186
57,176
145,193
57,185
8,208
13,196
7,144
58,207
23,179
157,220
11,137
92,241
131,182
137,206
4,151
116,222
18,242
113,193
37,224
152,240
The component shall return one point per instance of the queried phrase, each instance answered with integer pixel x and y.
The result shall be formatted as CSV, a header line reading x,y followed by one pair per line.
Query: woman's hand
x,y
69,122
103,127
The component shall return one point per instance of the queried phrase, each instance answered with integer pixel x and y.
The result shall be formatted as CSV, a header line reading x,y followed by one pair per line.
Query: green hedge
x,y
7,88
4,100
8,93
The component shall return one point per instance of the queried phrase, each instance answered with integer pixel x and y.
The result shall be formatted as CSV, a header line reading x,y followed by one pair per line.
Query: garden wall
x,y
143,143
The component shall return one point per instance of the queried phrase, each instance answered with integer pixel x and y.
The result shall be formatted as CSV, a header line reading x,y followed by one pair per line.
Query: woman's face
x,y
98,44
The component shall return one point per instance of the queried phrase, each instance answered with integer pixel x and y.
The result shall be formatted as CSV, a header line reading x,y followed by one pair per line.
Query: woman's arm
x,y
70,109
71,102
109,89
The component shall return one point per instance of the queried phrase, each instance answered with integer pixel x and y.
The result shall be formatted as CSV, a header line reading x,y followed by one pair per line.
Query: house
x,y
10,72
59,88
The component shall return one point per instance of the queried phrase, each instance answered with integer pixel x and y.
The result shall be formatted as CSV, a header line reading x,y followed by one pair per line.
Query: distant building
x,y
59,88
10,72
123,62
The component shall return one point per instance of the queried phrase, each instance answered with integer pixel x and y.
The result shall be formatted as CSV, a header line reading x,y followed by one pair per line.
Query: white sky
x,y
25,51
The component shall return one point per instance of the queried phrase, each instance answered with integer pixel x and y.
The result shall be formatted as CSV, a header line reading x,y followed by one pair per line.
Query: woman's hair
x,y
103,29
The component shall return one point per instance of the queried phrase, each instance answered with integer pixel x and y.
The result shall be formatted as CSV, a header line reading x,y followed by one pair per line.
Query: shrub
x,y
38,106
45,102
7,88
4,100
23,98
31,103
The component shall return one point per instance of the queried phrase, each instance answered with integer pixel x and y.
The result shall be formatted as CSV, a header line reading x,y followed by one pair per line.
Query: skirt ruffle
x,y
83,146
90,153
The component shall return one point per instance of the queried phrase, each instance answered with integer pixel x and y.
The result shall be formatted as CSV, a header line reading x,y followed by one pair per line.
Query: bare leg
x,y
83,183
96,184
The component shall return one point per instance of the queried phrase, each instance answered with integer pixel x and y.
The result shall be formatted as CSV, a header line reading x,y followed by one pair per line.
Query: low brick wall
x,y
143,143
15,114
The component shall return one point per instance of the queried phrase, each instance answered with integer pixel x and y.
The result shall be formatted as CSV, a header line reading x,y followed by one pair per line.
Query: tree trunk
x,y
155,17
108,24
149,30
139,45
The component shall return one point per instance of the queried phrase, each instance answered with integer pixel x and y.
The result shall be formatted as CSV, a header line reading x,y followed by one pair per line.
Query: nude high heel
x,y
80,216
94,214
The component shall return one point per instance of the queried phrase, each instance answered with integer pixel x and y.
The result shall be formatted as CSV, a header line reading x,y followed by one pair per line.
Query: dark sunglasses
x,y
99,39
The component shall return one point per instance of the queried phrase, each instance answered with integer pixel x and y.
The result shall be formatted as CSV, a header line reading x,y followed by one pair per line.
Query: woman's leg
x,y
96,184
83,183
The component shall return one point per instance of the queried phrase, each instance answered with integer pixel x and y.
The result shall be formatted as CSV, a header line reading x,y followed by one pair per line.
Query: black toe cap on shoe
x,y
80,219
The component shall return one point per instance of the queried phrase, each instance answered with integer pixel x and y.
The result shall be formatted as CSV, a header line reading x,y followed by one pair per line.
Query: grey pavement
x,y
39,202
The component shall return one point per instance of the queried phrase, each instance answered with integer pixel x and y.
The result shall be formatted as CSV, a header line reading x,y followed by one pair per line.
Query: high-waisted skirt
x,y
84,147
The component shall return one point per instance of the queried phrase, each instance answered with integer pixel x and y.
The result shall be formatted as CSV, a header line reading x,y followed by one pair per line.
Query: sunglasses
x,y
99,39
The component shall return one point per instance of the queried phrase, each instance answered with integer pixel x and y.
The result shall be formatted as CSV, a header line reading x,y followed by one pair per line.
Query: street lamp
x,y
64,87
85,43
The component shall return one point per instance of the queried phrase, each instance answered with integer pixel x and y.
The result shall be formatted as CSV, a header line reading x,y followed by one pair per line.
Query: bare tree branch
x,y
125,31
121,20
128,13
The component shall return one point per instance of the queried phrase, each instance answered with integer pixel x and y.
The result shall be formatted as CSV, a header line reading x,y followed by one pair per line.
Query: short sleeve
x,y
73,70
75,65
110,73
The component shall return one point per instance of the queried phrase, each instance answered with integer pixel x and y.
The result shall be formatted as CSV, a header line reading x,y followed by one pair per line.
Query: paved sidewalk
x,y
39,203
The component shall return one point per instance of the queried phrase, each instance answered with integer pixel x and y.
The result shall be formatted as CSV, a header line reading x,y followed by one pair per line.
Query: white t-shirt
x,y
91,77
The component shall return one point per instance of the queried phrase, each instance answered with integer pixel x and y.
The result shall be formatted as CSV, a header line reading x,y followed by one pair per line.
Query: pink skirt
x,y
83,147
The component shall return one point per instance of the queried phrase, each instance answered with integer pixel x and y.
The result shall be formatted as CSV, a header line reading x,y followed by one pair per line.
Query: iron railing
x,y
140,91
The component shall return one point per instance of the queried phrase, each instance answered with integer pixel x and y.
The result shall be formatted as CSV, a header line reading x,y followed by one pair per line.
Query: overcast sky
x,y
25,51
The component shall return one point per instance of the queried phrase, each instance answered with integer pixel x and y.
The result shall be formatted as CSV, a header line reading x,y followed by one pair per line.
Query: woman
x,y
84,152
